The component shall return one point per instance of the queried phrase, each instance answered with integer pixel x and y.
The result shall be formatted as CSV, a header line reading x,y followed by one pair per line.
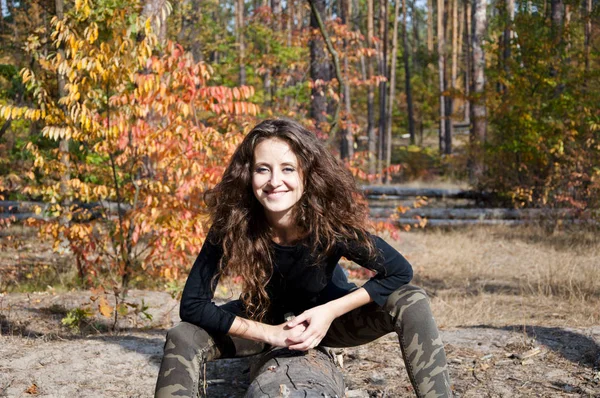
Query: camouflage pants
x,y
406,312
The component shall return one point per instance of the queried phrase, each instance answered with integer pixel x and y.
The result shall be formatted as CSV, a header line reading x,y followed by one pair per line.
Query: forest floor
x,y
518,309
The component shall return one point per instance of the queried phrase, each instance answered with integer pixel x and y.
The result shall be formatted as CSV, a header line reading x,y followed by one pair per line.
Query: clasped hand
x,y
306,330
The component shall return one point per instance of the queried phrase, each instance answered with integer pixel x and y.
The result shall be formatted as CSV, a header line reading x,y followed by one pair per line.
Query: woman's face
x,y
277,180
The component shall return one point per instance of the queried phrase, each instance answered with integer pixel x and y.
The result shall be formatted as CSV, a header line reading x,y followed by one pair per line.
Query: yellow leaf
x,y
105,308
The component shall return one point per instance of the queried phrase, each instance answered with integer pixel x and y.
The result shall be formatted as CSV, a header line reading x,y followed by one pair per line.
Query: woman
x,y
283,215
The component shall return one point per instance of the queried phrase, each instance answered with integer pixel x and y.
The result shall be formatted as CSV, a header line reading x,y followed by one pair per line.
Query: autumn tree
x,y
148,135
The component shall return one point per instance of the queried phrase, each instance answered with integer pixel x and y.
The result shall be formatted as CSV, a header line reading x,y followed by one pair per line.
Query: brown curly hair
x,y
332,209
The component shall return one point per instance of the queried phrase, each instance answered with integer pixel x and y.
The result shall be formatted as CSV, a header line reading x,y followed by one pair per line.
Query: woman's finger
x,y
297,320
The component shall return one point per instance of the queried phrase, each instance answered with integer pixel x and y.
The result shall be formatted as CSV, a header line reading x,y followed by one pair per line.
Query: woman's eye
x,y
261,170
289,169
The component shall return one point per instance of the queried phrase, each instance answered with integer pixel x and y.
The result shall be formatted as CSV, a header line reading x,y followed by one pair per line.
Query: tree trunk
x,y
510,16
448,109
407,75
338,73
454,43
441,62
64,143
276,10
285,373
478,107
154,9
239,36
319,69
416,42
289,17
347,136
588,34
372,142
383,35
557,11
430,26
388,131
468,63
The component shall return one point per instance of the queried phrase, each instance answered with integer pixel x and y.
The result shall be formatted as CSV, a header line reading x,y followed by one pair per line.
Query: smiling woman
x,y
283,215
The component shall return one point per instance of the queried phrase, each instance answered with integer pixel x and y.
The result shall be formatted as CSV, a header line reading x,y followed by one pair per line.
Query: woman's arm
x,y
276,335
392,269
197,306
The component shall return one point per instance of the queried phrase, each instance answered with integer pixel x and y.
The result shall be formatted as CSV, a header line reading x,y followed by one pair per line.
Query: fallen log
x,y
399,192
464,223
481,214
285,373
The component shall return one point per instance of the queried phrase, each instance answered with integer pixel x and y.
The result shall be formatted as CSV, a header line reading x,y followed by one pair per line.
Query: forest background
x,y
116,116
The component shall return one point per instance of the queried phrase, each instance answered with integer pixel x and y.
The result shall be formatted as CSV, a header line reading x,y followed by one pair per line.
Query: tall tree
x,y
478,107
449,106
239,37
407,74
347,136
372,141
63,146
468,60
157,11
383,35
319,68
441,47
430,26
394,54
588,34
556,13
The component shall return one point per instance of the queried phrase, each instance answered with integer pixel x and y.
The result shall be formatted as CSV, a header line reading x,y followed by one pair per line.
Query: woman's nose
x,y
275,178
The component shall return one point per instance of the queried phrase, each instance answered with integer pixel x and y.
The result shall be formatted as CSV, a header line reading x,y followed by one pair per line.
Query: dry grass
x,y
508,276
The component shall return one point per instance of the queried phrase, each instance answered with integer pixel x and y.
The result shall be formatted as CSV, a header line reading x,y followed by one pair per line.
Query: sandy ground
x,y
39,356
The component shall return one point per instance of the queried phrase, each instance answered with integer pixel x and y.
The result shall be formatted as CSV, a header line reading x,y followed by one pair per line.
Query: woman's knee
x,y
185,337
408,301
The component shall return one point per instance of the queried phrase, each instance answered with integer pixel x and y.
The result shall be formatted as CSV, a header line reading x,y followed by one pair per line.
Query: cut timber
x,y
464,223
481,214
285,373
373,191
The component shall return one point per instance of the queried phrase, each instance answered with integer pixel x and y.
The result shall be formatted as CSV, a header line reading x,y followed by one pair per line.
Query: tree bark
x,y
383,35
372,142
285,373
468,59
430,26
388,131
319,68
156,11
588,34
557,12
276,9
441,67
407,75
347,136
239,37
448,109
478,107
338,72
454,43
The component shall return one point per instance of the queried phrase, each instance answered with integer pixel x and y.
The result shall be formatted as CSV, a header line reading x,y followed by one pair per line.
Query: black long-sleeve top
x,y
297,283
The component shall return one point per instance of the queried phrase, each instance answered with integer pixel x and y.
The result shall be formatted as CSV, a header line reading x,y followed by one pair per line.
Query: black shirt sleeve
x,y
197,306
392,269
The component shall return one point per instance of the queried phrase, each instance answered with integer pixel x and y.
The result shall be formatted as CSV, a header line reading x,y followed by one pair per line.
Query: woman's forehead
x,y
274,150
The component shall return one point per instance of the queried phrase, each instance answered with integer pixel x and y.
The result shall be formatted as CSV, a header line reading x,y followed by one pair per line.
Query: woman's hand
x,y
283,335
318,320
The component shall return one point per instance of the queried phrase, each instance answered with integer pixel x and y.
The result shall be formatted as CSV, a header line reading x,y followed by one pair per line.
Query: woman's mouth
x,y
275,194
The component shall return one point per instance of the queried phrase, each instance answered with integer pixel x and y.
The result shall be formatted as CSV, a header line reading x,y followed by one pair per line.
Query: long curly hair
x,y
331,209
